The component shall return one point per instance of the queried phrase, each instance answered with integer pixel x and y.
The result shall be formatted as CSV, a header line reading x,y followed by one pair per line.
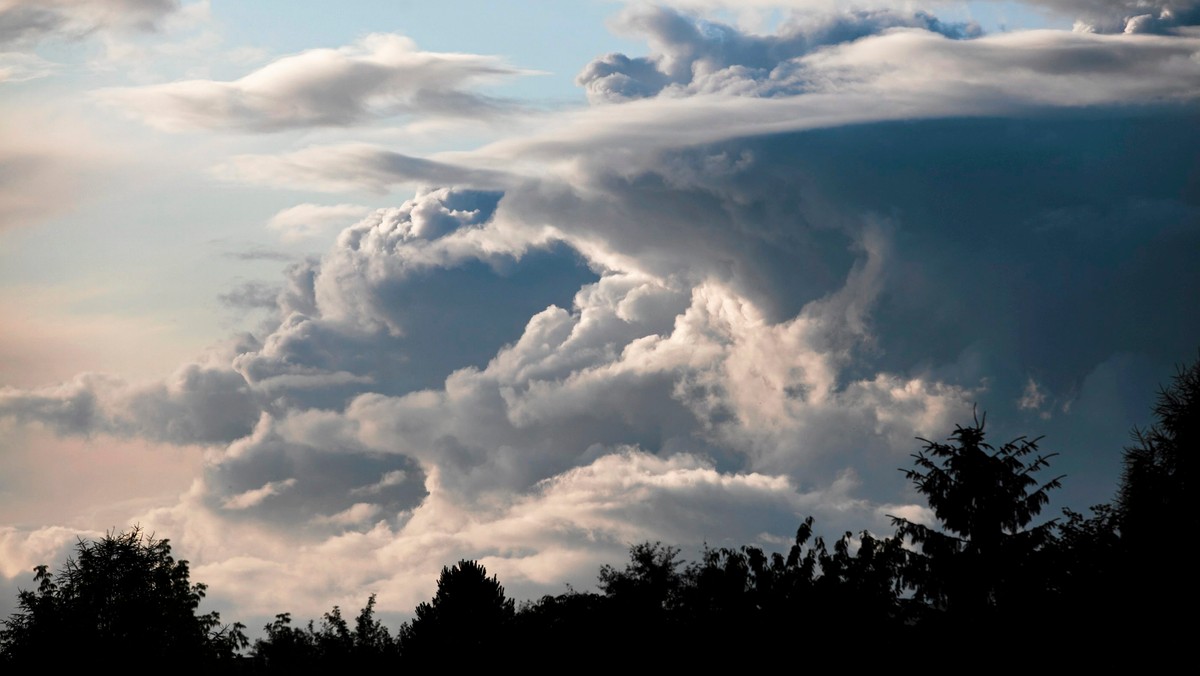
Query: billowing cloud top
x,y
692,55
1127,16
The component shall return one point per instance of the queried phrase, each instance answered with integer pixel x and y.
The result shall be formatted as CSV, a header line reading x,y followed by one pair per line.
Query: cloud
x,y
255,496
24,22
257,253
1107,16
307,221
393,478
562,530
356,514
380,76
18,67
251,295
693,55
411,293
900,74
1032,398
1126,16
352,167
198,404
21,551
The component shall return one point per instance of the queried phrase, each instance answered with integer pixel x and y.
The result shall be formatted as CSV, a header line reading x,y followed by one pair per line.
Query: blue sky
x,y
331,297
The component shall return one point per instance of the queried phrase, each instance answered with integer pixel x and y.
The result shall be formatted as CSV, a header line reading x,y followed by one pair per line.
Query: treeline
x,y
984,583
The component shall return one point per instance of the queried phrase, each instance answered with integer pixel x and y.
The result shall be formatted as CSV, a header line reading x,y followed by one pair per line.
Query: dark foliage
x,y
334,644
1152,506
468,617
983,557
1158,466
123,595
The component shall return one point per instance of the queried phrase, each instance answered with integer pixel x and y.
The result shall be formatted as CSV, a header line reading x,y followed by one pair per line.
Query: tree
x,y
1153,496
1153,505
118,596
650,581
984,498
467,617
334,644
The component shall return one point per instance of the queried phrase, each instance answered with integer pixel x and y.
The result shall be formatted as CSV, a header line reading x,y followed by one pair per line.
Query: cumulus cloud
x,y
382,75
1126,16
407,296
198,404
1109,16
21,550
693,55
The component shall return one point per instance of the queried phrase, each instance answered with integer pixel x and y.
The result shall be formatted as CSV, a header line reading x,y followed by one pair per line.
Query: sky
x,y
334,295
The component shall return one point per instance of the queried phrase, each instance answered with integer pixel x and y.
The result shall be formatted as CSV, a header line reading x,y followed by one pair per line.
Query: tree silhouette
x,y
1153,502
118,596
1158,467
650,582
334,644
468,616
984,499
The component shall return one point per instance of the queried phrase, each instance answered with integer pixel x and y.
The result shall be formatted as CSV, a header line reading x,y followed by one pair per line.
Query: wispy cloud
x,y
380,76
255,497
23,22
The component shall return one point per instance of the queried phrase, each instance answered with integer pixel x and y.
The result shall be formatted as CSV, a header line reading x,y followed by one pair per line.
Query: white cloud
x,y
21,550
254,497
18,67
690,55
382,75
1033,397
393,478
355,514
308,221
